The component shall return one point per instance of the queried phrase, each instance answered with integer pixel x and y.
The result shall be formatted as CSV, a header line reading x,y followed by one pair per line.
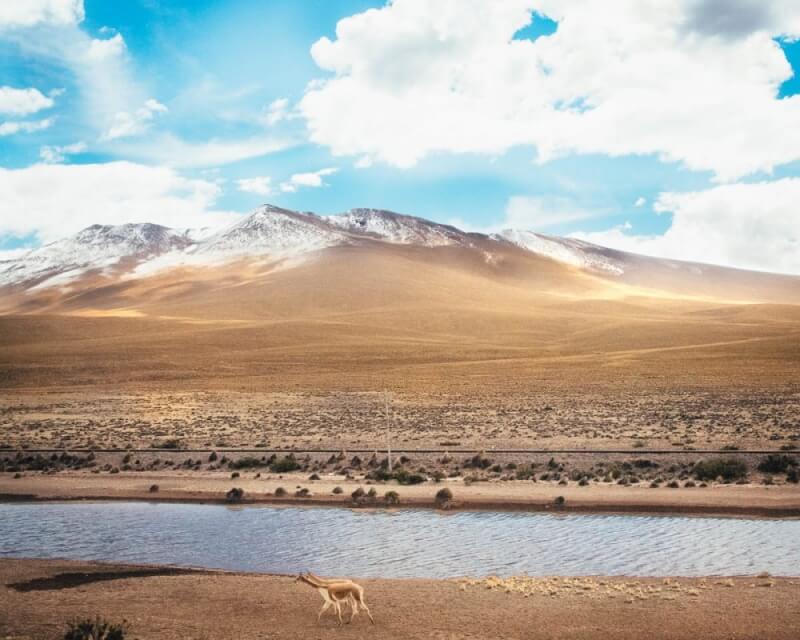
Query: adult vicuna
x,y
356,599
334,592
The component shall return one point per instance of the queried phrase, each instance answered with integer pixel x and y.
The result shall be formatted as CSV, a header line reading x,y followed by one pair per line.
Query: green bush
x,y
97,629
725,468
392,498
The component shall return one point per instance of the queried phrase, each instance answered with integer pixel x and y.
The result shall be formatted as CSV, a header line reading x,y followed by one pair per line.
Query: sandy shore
x,y
38,597
743,500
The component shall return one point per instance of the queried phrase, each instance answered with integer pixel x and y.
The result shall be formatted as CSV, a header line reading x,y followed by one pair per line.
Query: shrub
x,y
776,463
792,475
212,457
372,493
235,474
97,629
314,476
153,488
357,494
559,501
280,492
338,490
284,465
404,477
443,498
726,468
301,493
172,443
234,495
478,462
392,498
583,481
673,484
248,462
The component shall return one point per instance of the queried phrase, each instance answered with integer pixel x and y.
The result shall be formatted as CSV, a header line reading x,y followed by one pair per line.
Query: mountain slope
x,y
102,261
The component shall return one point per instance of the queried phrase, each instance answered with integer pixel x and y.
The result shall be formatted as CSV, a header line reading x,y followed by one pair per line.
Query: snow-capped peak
x,y
270,231
95,247
273,231
396,228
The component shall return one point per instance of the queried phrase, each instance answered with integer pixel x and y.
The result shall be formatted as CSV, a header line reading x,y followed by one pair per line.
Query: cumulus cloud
x,y
54,200
746,225
99,50
127,124
310,179
26,13
682,79
23,102
261,185
56,153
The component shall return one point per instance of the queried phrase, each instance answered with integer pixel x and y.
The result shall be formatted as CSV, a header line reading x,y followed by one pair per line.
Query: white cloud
x,y
532,213
168,149
126,124
56,153
750,226
640,202
310,179
276,111
100,50
23,102
51,31
54,200
688,80
261,185
26,13
28,126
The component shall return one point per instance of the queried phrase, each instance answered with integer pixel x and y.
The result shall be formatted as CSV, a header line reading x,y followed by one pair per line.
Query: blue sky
x,y
473,113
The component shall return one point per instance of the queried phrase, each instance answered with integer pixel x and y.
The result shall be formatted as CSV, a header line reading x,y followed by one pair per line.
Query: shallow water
x,y
405,543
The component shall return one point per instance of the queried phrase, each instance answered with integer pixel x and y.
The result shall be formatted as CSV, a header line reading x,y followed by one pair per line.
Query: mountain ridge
x,y
271,233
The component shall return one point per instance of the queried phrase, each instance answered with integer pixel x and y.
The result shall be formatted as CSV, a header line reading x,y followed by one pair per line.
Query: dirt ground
x,y
38,597
750,500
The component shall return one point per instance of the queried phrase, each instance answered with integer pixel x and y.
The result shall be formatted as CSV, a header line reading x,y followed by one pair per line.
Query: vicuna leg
x,y
325,606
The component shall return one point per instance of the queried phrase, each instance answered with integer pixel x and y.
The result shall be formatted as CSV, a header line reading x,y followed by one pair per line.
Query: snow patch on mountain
x,y
567,250
96,247
273,231
396,228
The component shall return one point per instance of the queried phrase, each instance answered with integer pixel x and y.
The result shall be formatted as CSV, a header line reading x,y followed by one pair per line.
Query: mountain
x,y
96,248
117,257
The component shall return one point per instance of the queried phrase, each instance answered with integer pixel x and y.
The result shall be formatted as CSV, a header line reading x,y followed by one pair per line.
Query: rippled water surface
x,y
405,543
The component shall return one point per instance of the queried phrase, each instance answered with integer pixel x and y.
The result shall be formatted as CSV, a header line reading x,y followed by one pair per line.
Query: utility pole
x,y
388,430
